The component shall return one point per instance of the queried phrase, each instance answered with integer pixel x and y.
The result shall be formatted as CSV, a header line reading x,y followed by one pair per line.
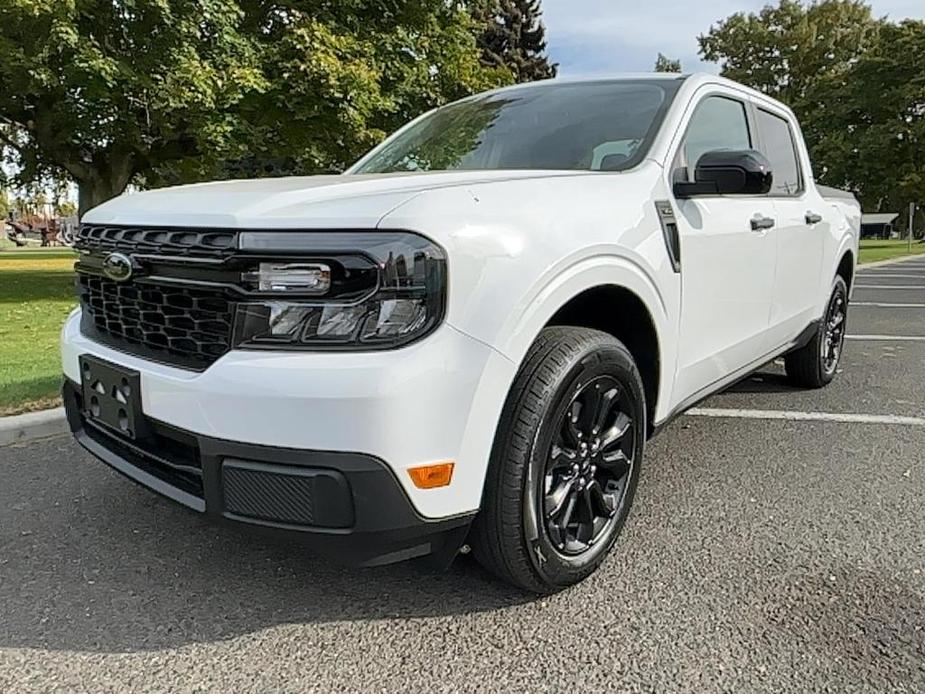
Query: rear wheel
x,y
814,365
565,462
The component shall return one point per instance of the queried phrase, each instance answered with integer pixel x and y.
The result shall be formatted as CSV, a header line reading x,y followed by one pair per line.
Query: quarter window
x,y
780,149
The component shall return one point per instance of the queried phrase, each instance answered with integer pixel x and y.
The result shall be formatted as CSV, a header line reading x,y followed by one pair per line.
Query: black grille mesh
x,y
189,327
186,326
269,496
181,242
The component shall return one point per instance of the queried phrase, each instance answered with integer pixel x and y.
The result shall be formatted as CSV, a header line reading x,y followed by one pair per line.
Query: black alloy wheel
x,y
565,462
834,336
589,464
814,364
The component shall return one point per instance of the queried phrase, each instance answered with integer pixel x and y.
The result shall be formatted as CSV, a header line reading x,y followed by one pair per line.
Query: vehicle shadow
x,y
92,562
764,381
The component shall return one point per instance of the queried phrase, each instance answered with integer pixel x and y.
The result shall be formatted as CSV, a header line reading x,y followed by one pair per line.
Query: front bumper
x,y
435,400
347,505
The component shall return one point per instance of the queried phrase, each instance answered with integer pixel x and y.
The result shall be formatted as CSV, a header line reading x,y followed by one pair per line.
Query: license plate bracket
x,y
112,397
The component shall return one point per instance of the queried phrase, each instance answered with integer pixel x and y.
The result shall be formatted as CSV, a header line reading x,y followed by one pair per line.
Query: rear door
x,y
801,227
728,267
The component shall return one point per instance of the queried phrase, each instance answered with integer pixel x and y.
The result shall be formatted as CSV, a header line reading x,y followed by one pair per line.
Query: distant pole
x,y
911,217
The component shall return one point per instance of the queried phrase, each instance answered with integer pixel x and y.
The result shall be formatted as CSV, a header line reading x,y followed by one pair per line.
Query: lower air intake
x,y
287,495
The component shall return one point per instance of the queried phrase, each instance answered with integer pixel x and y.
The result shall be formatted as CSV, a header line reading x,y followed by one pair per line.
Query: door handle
x,y
813,218
760,223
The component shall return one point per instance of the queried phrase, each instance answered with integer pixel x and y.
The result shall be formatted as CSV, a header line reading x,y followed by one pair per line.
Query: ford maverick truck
x,y
467,338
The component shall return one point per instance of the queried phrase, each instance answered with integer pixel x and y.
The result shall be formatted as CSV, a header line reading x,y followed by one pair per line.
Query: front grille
x,y
162,313
185,326
172,242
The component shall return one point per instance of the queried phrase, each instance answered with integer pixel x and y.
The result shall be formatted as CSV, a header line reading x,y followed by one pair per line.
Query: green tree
x,y
868,122
665,64
5,206
844,74
109,92
65,208
784,50
103,90
342,76
512,37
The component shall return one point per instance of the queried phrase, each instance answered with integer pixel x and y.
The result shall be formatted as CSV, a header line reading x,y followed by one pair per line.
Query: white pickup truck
x,y
466,339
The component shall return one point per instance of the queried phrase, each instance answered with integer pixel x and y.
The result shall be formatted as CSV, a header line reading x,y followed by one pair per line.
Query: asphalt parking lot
x,y
763,554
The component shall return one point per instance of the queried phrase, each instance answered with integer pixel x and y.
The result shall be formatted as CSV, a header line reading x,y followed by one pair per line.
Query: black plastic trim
x,y
385,528
670,232
726,381
221,273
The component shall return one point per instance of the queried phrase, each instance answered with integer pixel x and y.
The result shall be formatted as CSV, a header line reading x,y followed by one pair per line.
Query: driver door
x,y
727,275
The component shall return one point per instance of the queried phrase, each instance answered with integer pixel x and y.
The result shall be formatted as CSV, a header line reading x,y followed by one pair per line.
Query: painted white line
x,y
889,286
807,416
887,338
881,305
868,276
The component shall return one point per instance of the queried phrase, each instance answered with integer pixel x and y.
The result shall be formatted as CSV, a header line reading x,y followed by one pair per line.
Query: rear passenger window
x,y
780,149
718,123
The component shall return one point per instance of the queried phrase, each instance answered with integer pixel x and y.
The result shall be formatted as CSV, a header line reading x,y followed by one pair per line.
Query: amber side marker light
x,y
431,476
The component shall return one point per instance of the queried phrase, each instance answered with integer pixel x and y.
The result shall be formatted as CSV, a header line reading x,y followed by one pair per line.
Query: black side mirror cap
x,y
728,172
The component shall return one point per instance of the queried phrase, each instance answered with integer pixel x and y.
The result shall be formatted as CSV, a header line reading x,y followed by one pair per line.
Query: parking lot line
x,y
889,286
866,276
886,305
887,338
792,415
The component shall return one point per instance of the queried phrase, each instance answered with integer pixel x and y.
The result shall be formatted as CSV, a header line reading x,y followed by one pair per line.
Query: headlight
x,y
339,290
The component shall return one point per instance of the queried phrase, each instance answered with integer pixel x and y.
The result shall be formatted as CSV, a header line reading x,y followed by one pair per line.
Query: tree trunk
x,y
96,191
105,183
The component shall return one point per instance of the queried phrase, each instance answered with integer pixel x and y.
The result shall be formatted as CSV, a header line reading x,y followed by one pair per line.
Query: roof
x,y
692,80
879,218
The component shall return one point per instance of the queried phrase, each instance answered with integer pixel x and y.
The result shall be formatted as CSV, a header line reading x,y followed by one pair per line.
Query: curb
x,y
21,428
893,261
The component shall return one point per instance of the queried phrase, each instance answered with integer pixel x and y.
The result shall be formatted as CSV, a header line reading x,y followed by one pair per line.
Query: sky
x,y
589,37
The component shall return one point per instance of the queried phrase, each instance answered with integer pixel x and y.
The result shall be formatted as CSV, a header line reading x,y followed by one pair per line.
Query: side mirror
x,y
728,172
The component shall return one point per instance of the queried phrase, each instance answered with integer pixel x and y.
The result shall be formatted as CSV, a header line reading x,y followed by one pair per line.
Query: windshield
x,y
599,126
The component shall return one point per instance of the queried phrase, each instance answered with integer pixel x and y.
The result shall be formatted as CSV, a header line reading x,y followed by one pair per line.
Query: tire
x,y
547,451
814,365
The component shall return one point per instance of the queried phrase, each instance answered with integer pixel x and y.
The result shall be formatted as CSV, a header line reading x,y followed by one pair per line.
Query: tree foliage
x,y
512,37
164,91
6,206
856,83
784,49
104,90
867,124
665,64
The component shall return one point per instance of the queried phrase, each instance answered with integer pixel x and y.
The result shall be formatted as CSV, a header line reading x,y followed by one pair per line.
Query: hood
x,y
348,201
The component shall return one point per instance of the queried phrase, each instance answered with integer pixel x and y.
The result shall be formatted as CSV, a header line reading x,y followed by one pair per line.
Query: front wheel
x,y
814,364
565,462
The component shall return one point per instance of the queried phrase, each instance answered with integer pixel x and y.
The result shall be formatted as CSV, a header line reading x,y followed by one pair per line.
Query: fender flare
x,y
534,311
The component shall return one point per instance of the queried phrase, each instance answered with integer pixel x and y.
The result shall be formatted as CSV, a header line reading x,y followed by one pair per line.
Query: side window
x,y
717,123
780,149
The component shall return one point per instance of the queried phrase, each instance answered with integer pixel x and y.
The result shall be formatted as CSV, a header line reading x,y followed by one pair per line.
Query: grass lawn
x,y
36,294
877,249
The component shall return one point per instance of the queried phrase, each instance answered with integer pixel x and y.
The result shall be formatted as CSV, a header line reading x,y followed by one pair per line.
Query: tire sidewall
x,y
602,359
838,287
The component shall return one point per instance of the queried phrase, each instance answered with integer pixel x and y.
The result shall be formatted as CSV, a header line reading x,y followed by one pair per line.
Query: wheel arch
x,y
846,268
618,311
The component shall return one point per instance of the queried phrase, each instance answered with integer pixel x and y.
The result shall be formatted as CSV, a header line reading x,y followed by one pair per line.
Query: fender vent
x,y
670,232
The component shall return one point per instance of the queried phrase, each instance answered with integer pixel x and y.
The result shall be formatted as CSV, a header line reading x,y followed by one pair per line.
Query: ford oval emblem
x,y
117,266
